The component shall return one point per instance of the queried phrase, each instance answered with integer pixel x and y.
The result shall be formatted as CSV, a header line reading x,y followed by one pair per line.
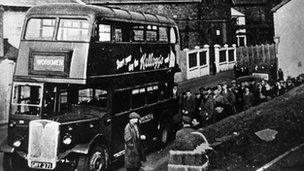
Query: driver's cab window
x,y
56,99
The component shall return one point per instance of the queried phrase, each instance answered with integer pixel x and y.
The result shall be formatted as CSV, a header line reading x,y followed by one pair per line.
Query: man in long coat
x,y
133,147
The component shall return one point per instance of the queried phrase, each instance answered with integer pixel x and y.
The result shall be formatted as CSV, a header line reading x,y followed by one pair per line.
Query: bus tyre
x,y
13,162
96,160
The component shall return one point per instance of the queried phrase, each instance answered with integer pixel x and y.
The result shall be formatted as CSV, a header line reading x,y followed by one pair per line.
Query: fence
x,y
6,77
196,62
256,55
225,57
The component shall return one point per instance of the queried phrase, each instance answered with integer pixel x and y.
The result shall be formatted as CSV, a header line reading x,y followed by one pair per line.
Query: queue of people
x,y
211,104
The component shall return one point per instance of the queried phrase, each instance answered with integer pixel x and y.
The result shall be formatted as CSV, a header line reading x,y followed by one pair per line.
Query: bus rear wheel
x,y
96,160
13,162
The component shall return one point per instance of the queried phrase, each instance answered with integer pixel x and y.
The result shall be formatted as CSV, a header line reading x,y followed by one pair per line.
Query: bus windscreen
x,y
73,30
68,30
40,29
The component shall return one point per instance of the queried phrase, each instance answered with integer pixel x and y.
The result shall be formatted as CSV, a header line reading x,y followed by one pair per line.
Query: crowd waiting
x,y
211,104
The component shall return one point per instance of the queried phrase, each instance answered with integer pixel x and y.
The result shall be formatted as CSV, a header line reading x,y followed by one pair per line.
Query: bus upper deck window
x,y
118,35
163,34
151,33
104,33
73,30
172,36
138,33
40,29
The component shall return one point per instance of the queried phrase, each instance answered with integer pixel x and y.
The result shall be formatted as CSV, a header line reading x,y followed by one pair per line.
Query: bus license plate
x,y
41,165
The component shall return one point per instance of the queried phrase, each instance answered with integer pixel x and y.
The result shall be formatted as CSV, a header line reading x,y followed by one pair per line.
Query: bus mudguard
x,y
4,147
83,148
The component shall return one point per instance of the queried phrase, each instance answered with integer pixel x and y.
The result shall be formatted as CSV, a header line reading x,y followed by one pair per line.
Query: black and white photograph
x,y
151,85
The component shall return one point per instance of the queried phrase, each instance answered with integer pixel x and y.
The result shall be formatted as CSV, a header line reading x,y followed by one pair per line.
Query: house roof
x,y
29,3
137,1
280,5
10,51
235,12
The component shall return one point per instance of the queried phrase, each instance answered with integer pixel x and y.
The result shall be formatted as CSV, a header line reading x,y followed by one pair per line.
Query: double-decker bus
x,y
81,70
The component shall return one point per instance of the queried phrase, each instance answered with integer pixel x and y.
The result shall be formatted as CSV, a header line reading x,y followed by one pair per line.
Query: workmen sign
x,y
49,63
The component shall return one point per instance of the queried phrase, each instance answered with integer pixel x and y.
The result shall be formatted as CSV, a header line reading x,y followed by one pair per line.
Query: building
x,y
240,21
289,33
259,19
200,22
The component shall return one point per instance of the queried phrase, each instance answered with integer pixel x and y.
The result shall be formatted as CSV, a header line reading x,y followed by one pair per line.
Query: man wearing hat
x,y
134,153
183,135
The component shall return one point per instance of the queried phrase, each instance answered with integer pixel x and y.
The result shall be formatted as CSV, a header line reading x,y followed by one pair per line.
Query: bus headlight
x,y
17,142
67,139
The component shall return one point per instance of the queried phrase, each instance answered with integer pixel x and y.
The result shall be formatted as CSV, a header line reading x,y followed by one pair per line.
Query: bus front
x,y
52,60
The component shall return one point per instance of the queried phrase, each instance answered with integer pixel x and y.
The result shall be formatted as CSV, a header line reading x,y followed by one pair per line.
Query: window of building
x,y
104,32
192,60
222,56
203,58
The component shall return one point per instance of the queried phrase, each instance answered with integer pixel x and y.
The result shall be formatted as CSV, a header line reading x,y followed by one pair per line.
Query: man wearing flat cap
x,y
134,153
182,142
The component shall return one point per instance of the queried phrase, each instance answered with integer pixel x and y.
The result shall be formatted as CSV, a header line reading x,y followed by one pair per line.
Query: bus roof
x,y
99,11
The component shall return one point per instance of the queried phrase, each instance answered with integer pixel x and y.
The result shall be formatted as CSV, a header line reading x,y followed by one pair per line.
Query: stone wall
x,y
189,154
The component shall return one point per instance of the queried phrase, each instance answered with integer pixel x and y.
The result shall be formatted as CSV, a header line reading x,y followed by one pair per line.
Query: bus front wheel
x,y
96,160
